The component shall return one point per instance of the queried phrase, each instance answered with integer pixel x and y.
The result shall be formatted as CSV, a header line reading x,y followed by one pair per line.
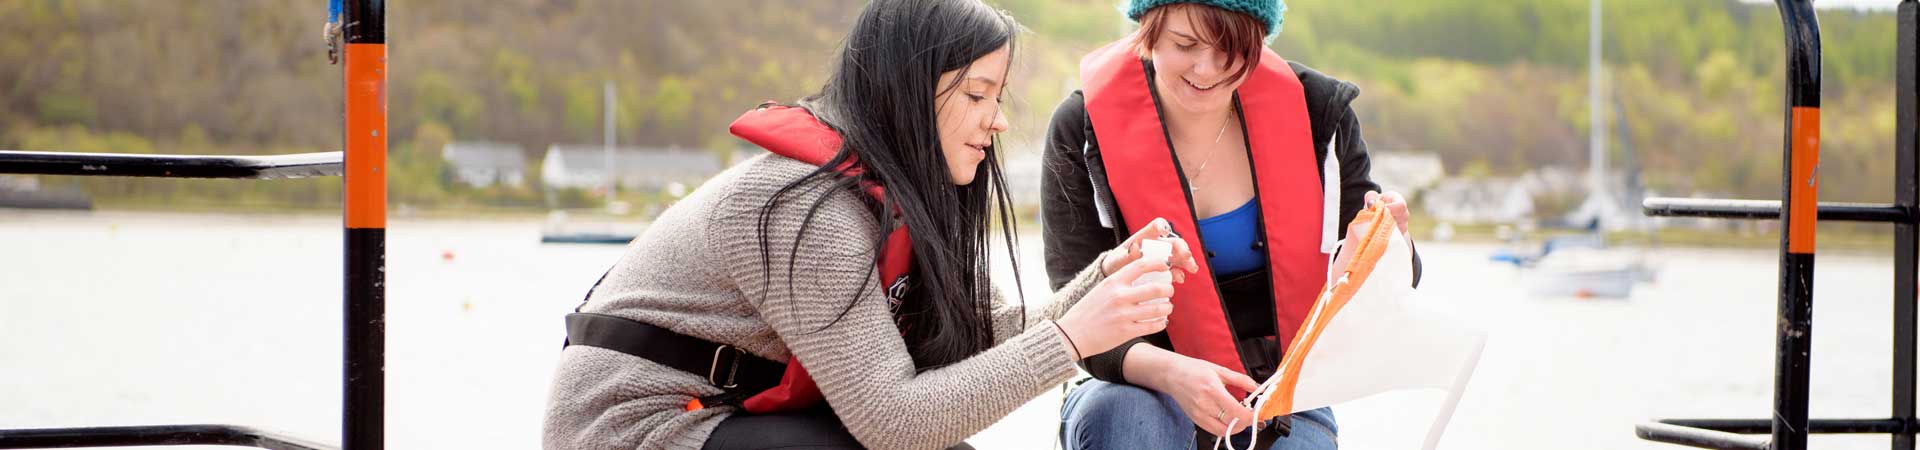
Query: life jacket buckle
x,y
733,367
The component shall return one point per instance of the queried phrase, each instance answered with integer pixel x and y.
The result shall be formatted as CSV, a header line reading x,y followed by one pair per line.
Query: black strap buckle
x,y
733,367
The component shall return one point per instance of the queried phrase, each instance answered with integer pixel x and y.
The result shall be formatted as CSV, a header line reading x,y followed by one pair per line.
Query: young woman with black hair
x,y
836,294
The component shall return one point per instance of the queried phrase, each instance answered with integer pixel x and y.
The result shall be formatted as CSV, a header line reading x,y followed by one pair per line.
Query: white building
x,y
1478,201
1405,172
585,167
482,164
1511,200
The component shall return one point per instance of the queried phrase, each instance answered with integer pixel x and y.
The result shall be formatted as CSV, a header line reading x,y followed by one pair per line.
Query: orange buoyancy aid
x,y
794,133
1147,183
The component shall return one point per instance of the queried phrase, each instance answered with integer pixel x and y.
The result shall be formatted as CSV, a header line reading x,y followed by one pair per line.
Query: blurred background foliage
x,y
1493,88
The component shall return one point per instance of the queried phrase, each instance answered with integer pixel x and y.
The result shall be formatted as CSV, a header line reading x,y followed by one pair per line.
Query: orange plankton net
x,y
1370,333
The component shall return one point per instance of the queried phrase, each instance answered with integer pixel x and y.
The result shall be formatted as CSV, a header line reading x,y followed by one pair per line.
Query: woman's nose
x,y
1211,63
999,124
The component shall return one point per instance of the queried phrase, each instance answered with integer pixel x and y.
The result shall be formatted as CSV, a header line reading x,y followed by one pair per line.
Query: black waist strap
x,y
725,366
1249,303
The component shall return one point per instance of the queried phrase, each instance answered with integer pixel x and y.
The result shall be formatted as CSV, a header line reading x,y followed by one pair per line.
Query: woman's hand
x,y
1116,310
1396,205
1129,251
1200,387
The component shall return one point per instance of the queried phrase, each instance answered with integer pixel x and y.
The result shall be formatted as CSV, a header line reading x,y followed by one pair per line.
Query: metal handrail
x,y
363,167
1788,426
153,435
298,165
1770,209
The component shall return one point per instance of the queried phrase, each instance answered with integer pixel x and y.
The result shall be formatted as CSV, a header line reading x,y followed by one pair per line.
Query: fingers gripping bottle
x,y
1155,250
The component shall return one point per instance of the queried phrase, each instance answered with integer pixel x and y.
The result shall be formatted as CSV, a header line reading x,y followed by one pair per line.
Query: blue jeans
x,y
1100,415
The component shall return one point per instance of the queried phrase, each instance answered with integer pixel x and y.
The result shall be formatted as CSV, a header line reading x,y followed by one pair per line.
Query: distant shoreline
x,y
395,212
1829,240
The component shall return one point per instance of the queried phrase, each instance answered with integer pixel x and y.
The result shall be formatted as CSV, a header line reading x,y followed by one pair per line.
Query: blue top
x,y
1230,238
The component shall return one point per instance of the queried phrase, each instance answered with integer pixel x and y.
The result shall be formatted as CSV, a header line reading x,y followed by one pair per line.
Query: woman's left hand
x,y
1396,205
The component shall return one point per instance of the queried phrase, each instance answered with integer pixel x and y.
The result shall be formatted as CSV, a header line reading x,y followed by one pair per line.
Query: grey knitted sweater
x,y
697,271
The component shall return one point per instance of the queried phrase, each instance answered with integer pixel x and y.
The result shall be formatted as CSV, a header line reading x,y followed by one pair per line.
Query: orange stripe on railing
x,y
366,168
1805,188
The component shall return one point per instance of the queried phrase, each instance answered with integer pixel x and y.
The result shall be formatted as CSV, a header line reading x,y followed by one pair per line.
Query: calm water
x,y
124,318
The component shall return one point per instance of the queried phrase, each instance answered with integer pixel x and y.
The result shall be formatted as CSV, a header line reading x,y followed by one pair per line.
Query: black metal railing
x,y
153,435
1788,425
363,169
300,165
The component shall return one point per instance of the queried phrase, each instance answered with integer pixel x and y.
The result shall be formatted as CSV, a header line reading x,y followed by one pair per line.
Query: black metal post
x,y
1906,194
364,418
1799,192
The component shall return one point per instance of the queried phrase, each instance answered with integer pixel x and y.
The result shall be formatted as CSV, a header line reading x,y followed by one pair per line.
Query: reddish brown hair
x,y
1240,35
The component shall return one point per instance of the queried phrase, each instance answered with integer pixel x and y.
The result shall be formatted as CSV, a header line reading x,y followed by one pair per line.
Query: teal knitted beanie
x,y
1270,12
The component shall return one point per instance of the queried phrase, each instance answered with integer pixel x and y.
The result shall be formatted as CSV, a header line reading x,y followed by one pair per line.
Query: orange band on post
x,y
1804,213
366,173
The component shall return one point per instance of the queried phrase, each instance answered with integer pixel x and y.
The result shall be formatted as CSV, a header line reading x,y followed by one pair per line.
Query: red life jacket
x,y
1147,184
794,133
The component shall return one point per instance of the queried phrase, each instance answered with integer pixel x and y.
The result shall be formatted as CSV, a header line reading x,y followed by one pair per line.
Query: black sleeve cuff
x,y
1110,366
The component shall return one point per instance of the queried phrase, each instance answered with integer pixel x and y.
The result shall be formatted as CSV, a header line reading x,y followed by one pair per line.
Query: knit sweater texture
x,y
1271,13
697,270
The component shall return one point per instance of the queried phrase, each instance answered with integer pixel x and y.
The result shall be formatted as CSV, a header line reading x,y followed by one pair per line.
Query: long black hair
x,y
880,99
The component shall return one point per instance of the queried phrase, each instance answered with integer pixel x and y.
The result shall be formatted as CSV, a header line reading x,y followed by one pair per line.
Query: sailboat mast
x,y
1597,117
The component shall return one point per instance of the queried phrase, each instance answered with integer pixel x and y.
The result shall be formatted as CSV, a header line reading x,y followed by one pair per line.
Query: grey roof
x,y
487,155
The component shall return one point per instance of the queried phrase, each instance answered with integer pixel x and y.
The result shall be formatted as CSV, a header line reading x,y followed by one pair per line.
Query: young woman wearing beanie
x,y
835,293
1256,162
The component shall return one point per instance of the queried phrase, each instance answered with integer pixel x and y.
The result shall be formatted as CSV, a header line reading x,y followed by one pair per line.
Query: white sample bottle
x,y
1155,250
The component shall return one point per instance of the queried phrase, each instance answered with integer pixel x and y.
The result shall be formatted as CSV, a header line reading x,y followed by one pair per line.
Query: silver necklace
x,y
1193,182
